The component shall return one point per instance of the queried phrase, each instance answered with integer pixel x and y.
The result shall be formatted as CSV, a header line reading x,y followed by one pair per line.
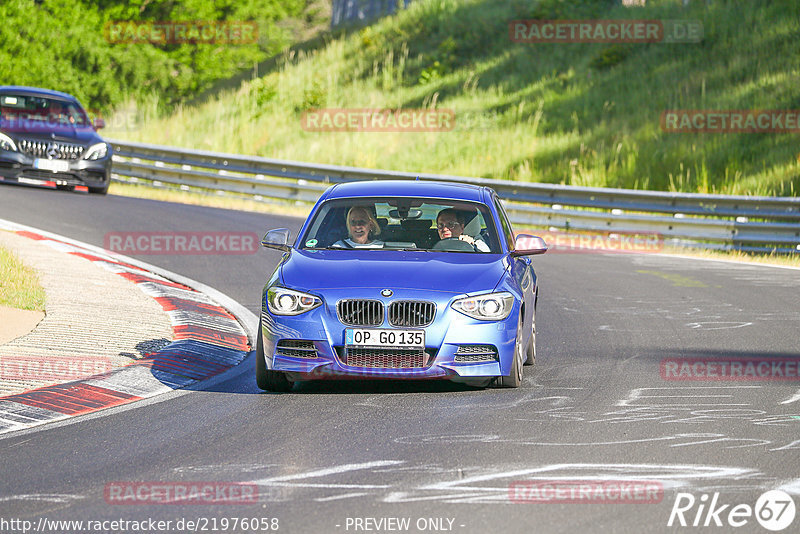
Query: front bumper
x,y
449,331
19,167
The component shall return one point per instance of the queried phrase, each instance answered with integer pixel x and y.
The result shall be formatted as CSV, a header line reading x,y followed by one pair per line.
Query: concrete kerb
x,y
212,333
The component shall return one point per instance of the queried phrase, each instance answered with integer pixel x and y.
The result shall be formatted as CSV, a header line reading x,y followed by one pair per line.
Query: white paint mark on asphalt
x,y
450,498
717,438
790,446
61,498
340,497
676,439
793,398
717,325
792,486
676,473
493,487
217,468
327,471
414,469
637,394
463,438
323,486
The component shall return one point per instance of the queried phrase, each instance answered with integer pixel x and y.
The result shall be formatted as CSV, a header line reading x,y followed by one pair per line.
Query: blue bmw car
x,y
400,280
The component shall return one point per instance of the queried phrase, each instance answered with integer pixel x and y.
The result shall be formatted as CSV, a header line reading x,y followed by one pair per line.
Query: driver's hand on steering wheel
x,y
467,239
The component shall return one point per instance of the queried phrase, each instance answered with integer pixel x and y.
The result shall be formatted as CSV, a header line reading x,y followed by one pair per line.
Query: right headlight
x,y
486,307
6,143
97,151
282,301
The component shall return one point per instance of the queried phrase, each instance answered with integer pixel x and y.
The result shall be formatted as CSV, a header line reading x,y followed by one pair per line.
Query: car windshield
x,y
34,112
402,224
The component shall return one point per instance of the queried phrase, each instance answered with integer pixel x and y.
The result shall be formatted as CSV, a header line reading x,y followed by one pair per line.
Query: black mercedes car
x,y
46,138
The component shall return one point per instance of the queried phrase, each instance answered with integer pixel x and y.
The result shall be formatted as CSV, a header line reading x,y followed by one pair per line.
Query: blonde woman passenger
x,y
362,230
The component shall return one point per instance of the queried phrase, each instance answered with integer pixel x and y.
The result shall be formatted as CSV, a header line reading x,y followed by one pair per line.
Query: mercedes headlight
x,y
6,143
98,151
487,307
282,301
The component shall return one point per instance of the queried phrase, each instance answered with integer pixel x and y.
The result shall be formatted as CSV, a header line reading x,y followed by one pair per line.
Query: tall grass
x,y
19,284
581,114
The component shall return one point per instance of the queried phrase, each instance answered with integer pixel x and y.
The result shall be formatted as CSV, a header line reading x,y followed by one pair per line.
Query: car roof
x,y
408,188
36,91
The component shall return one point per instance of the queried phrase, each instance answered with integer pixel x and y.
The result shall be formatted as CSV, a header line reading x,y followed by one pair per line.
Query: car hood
x,y
83,135
449,272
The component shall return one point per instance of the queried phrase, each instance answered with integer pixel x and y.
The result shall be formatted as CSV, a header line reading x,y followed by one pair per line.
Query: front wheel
x,y
532,345
102,190
514,379
267,379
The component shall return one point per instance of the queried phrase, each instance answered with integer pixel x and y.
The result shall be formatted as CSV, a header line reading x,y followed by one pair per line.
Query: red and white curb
x,y
210,335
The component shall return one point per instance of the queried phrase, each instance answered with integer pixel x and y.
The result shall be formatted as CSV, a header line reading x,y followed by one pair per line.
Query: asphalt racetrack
x,y
599,407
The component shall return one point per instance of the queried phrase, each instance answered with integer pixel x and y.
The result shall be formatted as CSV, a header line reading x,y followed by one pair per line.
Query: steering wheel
x,y
453,244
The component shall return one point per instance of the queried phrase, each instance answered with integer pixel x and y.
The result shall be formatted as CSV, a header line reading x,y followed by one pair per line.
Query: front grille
x,y
476,353
360,312
296,348
411,313
386,358
40,149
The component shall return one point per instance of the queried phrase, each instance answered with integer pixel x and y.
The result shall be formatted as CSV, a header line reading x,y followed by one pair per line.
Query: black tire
x,y
514,379
267,379
102,190
532,345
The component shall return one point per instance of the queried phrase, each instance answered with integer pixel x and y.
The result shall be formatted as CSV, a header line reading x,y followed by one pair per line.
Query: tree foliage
x,y
61,44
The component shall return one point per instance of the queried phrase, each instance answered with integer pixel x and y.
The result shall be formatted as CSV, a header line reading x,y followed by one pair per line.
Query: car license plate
x,y
384,337
55,165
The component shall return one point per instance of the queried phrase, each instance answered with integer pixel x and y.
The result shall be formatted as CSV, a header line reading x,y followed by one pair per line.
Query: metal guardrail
x,y
709,221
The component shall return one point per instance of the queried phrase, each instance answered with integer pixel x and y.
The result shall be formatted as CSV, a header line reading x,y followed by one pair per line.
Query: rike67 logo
x,y
774,510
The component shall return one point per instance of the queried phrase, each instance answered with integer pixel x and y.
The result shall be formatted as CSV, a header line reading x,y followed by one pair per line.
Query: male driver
x,y
450,225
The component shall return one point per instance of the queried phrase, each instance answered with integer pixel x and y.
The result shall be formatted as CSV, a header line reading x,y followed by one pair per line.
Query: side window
x,y
507,232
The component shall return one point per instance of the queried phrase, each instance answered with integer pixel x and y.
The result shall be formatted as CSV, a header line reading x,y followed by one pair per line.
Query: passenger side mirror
x,y
99,123
528,245
277,239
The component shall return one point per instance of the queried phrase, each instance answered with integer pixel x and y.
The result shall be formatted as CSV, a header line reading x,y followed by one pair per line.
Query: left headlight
x,y
488,307
6,143
97,151
282,301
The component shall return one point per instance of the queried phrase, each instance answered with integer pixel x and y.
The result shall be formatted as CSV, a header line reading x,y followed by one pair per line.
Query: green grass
x,y
579,114
19,284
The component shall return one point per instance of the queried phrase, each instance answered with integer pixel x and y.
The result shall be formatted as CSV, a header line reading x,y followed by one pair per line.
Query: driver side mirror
x,y
99,123
277,239
528,245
